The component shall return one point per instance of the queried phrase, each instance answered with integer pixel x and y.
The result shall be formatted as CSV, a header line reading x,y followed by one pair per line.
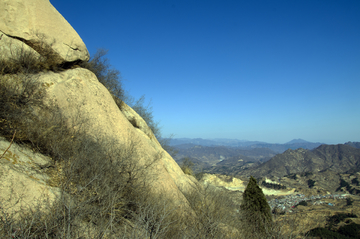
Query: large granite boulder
x,y
40,26
83,99
83,102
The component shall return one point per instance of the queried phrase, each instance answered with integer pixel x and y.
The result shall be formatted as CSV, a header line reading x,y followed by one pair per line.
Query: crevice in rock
x,y
75,49
54,61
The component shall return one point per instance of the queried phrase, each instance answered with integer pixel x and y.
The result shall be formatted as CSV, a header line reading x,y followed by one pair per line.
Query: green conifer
x,y
256,211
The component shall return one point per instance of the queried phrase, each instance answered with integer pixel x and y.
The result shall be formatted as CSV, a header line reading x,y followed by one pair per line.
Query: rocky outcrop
x,y
40,26
84,104
87,105
84,100
23,181
219,180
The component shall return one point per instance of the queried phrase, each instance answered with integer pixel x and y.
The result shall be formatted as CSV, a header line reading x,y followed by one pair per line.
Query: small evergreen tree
x,y
257,218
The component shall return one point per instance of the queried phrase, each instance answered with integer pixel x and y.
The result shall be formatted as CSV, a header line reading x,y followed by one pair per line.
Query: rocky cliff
x,y
72,101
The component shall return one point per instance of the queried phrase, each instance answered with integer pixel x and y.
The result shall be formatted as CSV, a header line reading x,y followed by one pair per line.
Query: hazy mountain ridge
x,y
353,144
337,158
215,154
230,160
243,144
280,148
213,142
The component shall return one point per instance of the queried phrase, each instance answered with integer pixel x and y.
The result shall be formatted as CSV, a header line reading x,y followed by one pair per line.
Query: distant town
x,y
286,203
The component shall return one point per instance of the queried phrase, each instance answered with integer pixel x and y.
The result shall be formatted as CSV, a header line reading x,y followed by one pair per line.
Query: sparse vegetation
x,y
345,184
311,183
112,80
302,203
213,214
291,176
349,201
272,185
355,181
186,166
324,233
339,217
108,76
305,174
25,60
351,230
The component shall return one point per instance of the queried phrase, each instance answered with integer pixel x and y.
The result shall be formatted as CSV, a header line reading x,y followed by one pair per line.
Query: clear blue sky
x,y
254,70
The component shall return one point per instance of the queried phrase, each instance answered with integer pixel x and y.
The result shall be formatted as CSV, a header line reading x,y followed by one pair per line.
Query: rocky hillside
x,y
338,158
67,140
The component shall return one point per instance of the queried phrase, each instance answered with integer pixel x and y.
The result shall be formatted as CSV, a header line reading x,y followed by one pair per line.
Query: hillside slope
x,y
338,158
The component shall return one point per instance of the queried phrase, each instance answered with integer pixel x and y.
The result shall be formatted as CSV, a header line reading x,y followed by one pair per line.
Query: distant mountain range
x,y
263,159
354,144
244,144
339,158
213,142
211,155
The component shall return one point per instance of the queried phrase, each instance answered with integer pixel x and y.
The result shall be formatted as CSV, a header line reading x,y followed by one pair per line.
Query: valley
x,y
304,187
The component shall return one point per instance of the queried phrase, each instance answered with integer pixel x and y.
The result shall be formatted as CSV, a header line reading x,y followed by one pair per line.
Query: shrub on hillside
x,y
355,181
302,203
272,185
109,77
311,183
324,233
187,165
20,96
26,61
213,216
351,230
339,217
345,184
349,201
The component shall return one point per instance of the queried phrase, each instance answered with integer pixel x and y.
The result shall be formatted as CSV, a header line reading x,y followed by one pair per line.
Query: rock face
x,y
23,182
219,180
82,100
35,21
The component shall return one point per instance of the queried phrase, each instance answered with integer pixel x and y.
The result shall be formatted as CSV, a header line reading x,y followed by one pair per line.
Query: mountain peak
x,y
297,141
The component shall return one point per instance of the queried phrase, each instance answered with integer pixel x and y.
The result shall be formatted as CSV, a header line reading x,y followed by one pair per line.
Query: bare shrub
x,y
213,214
109,77
156,217
19,96
187,165
39,57
112,80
